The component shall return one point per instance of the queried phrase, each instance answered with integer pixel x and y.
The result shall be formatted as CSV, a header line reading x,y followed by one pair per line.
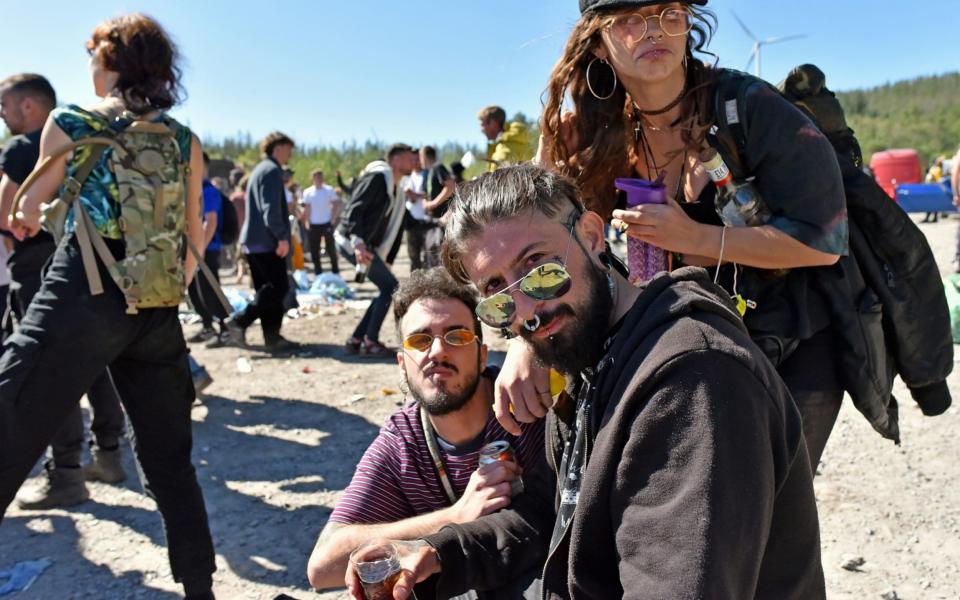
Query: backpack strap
x,y
91,242
74,183
728,136
208,274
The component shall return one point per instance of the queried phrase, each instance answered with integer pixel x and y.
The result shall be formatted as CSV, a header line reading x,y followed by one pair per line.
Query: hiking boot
x,y
106,466
236,335
201,336
64,487
218,341
352,345
282,344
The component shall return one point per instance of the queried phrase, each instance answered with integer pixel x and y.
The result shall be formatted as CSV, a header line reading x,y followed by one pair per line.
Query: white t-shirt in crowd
x,y
414,182
320,202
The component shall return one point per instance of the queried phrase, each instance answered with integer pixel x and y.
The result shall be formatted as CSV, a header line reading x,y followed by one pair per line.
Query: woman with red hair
x,y
71,331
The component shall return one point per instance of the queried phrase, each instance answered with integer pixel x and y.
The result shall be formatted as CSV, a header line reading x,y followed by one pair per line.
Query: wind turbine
x,y
758,44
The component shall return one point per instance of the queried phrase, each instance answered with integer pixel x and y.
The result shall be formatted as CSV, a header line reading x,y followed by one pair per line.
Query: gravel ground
x,y
275,446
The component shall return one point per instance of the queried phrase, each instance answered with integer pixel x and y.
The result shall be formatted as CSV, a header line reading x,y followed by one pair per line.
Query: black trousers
x,y
325,233
811,378
379,274
202,296
65,341
107,424
417,243
270,281
108,421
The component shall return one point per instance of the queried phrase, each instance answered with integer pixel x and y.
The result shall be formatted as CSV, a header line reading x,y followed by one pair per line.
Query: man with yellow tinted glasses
x,y
421,472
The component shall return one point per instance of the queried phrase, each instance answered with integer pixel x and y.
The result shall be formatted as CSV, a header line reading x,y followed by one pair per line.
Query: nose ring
x,y
533,324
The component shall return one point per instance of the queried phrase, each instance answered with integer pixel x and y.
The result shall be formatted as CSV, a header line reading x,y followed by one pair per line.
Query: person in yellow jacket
x,y
506,142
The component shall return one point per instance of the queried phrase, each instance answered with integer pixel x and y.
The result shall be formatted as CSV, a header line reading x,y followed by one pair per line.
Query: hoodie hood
x,y
668,297
378,166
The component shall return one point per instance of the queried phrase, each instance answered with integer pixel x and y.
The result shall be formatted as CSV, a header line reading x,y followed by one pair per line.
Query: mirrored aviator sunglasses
x,y
546,282
422,341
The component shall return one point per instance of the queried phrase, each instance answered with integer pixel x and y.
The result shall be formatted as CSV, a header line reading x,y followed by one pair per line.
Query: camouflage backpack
x,y
150,176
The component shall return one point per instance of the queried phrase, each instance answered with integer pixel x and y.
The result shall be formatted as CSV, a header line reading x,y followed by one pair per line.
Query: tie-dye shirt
x,y
797,175
796,172
99,193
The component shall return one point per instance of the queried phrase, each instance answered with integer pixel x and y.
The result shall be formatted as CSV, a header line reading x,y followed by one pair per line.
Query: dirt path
x,y
274,447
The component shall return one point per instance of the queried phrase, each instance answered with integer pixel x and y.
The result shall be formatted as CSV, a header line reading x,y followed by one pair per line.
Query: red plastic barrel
x,y
893,167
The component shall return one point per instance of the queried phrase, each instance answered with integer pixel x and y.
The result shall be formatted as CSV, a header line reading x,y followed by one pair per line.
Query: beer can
x,y
501,450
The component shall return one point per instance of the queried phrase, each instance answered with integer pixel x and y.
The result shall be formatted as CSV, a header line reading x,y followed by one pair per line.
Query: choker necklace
x,y
652,127
660,111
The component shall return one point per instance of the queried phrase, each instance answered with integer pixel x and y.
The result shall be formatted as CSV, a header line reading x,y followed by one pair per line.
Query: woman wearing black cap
x,y
642,99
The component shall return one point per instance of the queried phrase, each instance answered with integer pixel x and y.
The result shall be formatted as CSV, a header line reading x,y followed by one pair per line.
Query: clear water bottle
x,y
738,204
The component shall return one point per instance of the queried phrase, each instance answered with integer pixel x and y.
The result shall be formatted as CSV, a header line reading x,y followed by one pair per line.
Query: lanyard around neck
x,y
434,448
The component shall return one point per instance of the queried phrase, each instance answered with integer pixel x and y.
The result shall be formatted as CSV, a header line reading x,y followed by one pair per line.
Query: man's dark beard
x,y
579,344
447,402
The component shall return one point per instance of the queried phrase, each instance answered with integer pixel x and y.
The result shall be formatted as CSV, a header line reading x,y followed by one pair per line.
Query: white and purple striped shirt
x,y
396,480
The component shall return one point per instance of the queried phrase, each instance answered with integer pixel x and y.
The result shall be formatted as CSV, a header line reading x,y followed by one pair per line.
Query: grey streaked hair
x,y
500,196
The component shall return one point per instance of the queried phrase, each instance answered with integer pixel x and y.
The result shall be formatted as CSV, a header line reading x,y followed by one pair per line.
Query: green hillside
x,y
921,113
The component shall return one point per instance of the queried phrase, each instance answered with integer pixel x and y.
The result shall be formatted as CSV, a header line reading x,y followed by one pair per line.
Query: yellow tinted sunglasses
x,y
422,341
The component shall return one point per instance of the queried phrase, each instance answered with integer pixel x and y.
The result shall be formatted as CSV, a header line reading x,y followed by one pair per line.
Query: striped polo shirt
x,y
396,479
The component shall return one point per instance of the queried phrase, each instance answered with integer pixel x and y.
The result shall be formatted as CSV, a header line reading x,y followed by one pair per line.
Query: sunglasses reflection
x,y
545,282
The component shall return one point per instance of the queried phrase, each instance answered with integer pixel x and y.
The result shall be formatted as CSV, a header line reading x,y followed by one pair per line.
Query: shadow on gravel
x,y
269,468
56,537
332,351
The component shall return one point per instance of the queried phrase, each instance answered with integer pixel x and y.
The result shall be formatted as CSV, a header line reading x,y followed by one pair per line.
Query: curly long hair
x,y
607,146
137,48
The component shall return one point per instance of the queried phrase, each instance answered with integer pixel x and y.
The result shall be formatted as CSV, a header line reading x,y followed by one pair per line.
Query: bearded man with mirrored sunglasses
x,y
678,467
421,472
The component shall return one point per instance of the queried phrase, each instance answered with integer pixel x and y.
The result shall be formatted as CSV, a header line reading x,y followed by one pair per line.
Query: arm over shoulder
x,y
501,546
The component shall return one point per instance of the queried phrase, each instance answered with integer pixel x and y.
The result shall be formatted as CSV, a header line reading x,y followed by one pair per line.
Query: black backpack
x,y
897,321
230,227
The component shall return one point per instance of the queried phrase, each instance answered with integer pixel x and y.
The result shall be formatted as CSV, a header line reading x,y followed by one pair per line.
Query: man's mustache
x,y
431,366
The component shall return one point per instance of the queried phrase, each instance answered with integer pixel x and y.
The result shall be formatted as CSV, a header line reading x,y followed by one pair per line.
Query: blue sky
x,y
328,72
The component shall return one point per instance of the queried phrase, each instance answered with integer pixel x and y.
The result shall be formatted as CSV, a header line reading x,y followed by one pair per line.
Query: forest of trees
x,y
921,113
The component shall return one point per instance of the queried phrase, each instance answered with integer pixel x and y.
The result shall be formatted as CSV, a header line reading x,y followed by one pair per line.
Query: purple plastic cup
x,y
644,260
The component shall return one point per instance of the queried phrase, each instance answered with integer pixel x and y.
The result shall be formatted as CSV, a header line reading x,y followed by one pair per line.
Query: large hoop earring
x,y
590,85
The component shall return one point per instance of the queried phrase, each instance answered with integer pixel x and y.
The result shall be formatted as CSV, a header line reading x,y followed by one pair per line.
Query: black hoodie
x,y
697,483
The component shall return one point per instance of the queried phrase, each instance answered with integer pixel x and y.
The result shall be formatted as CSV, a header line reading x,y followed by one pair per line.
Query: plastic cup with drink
x,y
377,566
644,260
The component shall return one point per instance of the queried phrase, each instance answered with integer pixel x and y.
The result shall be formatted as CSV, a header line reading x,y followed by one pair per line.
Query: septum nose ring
x,y
532,324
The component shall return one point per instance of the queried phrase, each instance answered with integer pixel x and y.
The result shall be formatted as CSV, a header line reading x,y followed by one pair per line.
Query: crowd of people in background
x,y
257,224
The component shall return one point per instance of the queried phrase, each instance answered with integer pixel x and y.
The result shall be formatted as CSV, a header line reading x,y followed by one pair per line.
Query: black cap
x,y
588,5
